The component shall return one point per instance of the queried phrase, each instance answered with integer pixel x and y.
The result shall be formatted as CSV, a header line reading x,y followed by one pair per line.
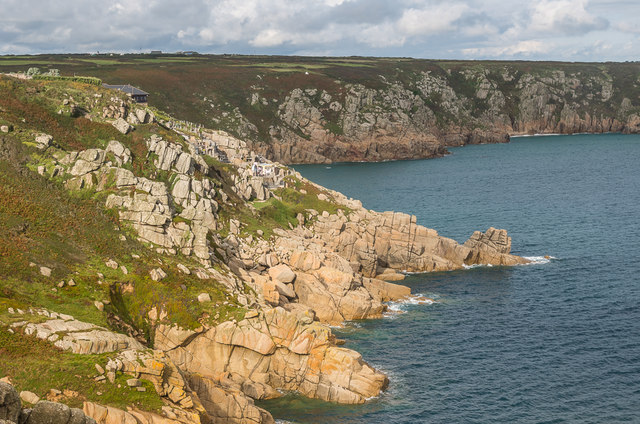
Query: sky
x,y
567,30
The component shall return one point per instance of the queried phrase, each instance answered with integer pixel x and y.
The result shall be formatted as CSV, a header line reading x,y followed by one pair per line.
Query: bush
x,y
84,80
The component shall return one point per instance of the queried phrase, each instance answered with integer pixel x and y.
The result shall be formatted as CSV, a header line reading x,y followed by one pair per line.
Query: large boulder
x,y
45,412
43,141
492,247
122,153
285,352
282,273
9,402
122,125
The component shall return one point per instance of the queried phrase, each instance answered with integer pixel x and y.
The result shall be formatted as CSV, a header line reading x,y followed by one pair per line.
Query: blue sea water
x,y
554,342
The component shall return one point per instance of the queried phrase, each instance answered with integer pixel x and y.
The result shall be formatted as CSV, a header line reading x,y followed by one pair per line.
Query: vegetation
x,y
36,365
216,90
84,80
46,225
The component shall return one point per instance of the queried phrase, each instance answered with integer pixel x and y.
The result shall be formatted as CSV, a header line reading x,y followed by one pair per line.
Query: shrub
x,y
84,80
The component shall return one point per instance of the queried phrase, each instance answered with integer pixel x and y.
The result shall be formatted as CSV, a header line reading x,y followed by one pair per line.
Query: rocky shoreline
x,y
333,264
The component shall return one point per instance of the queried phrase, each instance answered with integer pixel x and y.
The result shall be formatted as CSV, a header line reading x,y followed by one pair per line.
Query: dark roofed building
x,y
136,94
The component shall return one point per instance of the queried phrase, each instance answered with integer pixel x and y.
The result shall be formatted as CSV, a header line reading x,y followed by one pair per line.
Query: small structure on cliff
x,y
135,93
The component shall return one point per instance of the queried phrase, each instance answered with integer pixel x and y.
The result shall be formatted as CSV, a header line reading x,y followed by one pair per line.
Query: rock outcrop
x,y
373,241
416,109
76,336
312,269
42,412
277,350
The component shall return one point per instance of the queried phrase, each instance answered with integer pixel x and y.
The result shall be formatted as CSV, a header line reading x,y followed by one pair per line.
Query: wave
x,y
533,260
397,307
537,135
465,266
539,260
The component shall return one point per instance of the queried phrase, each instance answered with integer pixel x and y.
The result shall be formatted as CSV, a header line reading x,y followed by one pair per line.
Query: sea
x,y
556,341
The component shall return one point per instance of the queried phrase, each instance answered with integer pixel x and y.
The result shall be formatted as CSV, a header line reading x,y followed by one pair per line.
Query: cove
x,y
553,342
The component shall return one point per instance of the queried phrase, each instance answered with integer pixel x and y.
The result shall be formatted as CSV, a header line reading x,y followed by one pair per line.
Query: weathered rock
x,y
44,140
80,337
29,397
122,125
285,289
204,297
281,351
110,415
122,153
9,402
170,337
282,273
157,274
184,269
492,247
46,412
228,405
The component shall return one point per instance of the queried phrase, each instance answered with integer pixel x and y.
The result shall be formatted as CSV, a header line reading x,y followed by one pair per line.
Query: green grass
x,y
37,366
29,62
71,233
282,211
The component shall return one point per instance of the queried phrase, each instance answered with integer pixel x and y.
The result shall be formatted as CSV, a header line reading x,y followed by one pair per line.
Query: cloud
x,y
431,20
270,38
565,17
522,48
558,29
629,27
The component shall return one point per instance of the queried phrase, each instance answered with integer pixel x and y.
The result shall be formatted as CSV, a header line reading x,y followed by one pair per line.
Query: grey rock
x,y
29,397
142,115
122,153
204,297
44,140
121,125
157,274
45,412
9,402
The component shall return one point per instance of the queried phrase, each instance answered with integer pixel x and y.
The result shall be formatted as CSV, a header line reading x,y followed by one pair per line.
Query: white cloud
x,y
564,16
629,27
538,29
431,20
269,38
380,36
522,48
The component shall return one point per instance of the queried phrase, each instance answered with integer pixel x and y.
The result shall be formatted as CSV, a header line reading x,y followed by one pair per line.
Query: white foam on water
x,y
477,266
539,260
397,307
535,135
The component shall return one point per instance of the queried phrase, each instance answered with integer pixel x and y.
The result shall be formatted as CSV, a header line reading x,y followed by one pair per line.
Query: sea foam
x,y
394,308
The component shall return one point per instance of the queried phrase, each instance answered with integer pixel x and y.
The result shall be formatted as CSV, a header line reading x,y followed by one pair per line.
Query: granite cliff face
x,y
322,109
232,270
422,115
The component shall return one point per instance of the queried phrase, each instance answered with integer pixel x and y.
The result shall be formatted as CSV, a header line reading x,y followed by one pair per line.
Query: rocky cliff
x,y
419,116
200,276
313,110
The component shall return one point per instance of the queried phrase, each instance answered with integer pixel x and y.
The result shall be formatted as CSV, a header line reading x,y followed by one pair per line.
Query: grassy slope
x,y
44,224
207,89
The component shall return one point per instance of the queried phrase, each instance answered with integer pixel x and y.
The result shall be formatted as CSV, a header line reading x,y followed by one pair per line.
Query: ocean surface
x,y
553,342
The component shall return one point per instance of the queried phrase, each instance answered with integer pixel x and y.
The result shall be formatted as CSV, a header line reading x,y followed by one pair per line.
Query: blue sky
x,y
570,30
